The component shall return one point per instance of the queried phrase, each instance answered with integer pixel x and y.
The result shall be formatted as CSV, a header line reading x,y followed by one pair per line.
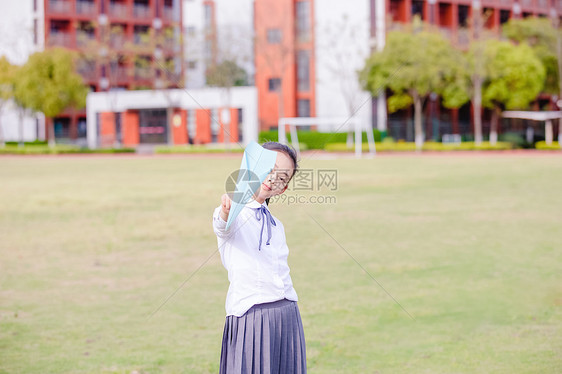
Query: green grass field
x,y
470,246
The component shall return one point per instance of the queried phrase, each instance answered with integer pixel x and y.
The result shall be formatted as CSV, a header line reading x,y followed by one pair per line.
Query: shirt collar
x,y
254,204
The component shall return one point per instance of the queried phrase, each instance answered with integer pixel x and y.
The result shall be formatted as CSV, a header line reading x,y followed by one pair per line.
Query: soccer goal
x,y
348,124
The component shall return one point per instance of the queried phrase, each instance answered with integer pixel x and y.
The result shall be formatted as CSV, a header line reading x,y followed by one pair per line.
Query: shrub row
x,y
317,140
555,146
428,146
197,149
58,149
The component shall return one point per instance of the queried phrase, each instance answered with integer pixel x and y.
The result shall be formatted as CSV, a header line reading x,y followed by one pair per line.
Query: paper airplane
x,y
257,163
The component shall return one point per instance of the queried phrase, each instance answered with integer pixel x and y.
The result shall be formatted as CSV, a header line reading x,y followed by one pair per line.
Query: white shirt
x,y
256,276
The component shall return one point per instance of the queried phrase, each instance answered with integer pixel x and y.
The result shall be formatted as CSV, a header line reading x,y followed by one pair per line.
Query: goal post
x,y
350,123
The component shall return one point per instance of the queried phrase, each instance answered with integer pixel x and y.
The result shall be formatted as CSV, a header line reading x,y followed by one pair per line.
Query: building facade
x,y
284,60
301,55
455,20
200,32
308,53
121,44
171,117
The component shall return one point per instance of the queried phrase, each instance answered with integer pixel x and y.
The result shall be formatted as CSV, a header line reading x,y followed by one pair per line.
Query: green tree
x,y
227,74
413,65
514,78
543,39
6,89
48,83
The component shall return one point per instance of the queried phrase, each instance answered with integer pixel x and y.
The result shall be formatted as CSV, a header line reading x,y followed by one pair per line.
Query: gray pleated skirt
x,y
267,339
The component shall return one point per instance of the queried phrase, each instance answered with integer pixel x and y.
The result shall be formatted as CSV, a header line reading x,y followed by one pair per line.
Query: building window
x,y
192,64
417,9
303,70
35,31
208,50
274,36
118,128
61,127
504,16
208,11
191,125
214,125
153,126
35,5
190,31
303,20
274,84
240,124
462,15
303,108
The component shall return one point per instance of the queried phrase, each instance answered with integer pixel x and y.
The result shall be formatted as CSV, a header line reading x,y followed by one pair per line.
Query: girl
x,y
263,332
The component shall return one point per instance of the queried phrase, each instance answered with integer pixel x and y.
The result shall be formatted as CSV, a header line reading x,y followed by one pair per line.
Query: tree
x,y
344,51
542,37
514,78
413,65
227,74
224,55
6,89
48,83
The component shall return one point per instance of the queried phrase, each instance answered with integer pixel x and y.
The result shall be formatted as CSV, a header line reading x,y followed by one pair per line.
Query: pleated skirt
x,y
267,339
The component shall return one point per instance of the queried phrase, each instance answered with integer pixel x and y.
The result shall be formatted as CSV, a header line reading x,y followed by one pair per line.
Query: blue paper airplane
x,y
257,163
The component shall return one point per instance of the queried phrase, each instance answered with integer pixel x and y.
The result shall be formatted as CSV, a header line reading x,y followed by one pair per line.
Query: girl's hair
x,y
289,151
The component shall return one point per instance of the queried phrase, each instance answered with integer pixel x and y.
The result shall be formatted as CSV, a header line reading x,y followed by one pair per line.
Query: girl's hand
x,y
225,206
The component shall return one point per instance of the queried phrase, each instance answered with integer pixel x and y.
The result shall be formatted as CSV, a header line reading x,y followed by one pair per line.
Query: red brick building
x,y
284,59
122,44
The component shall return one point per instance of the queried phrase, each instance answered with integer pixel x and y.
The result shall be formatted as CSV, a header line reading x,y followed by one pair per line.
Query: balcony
x,y
170,45
118,73
60,6
85,7
141,11
542,4
118,10
173,78
168,14
141,39
143,73
117,41
87,71
61,39
526,3
83,38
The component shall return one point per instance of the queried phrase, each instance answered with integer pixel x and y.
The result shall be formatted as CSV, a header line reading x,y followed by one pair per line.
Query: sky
x,y
16,29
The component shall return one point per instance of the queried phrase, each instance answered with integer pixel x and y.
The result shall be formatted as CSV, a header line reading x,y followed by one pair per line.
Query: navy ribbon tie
x,y
262,214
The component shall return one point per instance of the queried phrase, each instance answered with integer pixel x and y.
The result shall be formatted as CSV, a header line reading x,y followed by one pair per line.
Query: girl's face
x,y
277,181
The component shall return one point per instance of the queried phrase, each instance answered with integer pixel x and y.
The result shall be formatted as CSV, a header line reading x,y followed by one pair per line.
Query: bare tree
x,y
111,53
343,46
17,39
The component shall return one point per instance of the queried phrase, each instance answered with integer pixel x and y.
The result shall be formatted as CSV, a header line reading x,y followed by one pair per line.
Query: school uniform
x,y
263,331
